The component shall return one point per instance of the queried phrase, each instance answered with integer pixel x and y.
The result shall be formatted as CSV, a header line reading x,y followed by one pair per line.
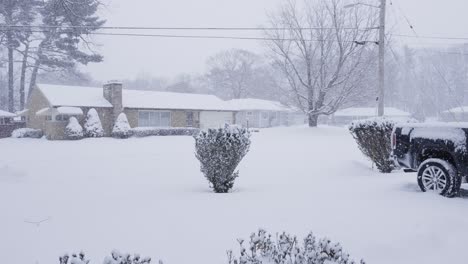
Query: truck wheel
x,y
437,175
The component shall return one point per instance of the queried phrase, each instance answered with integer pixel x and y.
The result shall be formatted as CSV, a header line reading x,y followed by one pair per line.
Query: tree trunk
x,y
9,42
11,98
313,120
23,76
32,81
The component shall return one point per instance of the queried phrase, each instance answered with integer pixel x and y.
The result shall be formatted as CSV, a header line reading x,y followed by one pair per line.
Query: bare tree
x,y
319,47
230,73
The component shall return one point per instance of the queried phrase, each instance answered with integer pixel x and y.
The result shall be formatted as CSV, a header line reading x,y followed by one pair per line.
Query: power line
x,y
429,37
357,42
44,27
182,28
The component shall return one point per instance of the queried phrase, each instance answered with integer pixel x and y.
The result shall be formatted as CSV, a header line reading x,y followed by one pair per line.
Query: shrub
x,y
74,259
373,139
118,258
219,152
73,131
164,131
27,133
121,127
286,249
114,258
93,125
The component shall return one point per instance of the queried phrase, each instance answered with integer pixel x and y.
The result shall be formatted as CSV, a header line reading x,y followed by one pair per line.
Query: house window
x,y
190,119
62,118
154,118
48,118
249,113
264,115
2,121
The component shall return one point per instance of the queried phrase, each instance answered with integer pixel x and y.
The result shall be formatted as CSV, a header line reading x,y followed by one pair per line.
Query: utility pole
x,y
381,107
381,92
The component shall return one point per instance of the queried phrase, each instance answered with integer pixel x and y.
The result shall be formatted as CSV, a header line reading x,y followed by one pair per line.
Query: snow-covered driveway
x,y
147,195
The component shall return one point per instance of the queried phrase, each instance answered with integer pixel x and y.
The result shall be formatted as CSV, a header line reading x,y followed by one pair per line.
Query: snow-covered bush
x,y
121,127
27,133
118,258
373,138
73,130
263,248
93,125
219,152
164,131
74,259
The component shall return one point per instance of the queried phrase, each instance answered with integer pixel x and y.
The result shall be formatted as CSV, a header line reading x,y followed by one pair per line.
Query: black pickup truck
x,y
437,152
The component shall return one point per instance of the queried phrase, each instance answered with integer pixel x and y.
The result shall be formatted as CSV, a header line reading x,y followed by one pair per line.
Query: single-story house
x,y
51,106
259,113
457,114
8,123
6,117
348,115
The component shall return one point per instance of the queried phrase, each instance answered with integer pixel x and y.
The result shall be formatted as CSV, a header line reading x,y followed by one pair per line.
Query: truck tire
x,y
439,176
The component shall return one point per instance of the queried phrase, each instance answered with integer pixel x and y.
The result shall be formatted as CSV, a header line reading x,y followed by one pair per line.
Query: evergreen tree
x,y
15,13
74,130
93,126
66,42
121,127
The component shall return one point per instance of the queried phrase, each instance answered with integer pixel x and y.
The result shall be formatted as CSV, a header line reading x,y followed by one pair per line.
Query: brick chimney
x,y
113,93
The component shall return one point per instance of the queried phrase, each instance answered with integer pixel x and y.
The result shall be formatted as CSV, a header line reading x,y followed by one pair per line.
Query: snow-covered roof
x,y
6,114
22,112
257,104
169,100
69,110
461,109
62,110
370,111
79,96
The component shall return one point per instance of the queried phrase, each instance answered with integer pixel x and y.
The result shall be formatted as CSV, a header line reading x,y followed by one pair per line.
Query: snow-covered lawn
x,y
147,195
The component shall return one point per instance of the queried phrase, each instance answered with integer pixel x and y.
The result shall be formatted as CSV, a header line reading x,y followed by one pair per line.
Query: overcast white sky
x,y
127,57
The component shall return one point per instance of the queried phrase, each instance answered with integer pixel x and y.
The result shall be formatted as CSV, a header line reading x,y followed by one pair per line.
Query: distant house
x,y
51,106
260,113
8,123
457,114
6,117
348,115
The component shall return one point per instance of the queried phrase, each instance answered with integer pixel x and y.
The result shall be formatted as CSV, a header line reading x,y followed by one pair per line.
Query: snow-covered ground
x,y
147,195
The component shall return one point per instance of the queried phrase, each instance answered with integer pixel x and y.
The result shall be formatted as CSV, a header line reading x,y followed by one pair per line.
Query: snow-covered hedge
x,y
373,138
118,258
74,259
164,131
219,152
114,258
121,127
73,131
93,125
263,248
27,133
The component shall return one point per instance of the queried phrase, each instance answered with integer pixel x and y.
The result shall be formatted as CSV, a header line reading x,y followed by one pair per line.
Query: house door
x,y
213,119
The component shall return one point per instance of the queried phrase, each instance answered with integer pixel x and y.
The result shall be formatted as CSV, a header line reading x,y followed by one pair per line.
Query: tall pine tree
x,y
66,42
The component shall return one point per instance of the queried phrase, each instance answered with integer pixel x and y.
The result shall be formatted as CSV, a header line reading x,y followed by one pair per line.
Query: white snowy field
x,y
147,195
